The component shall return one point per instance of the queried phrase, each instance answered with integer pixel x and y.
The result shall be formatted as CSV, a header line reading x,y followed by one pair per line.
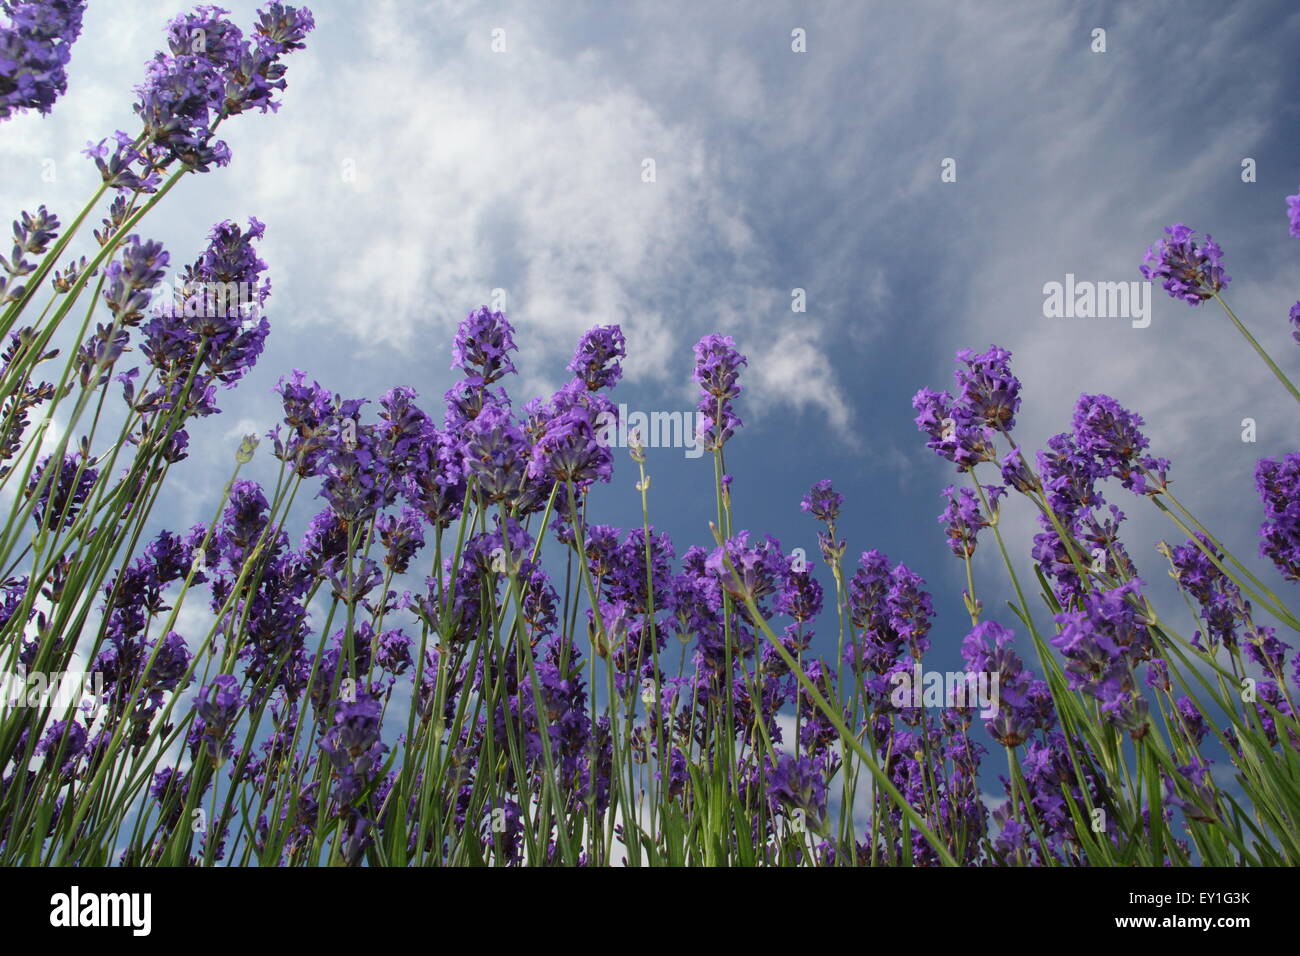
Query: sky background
x,y
412,170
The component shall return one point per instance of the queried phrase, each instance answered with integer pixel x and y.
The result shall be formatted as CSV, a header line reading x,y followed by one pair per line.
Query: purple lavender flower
x,y
717,372
697,596
402,536
1278,483
1049,776
1201,802
129,280
1024,704
502,828
172,554
351,655
326,538
401,429
34,51
224,293
170,663
309,413
1018,475
63,494
963,518
1222,606
798,783
466,399
1187,271
756,572
1293,214
1158,675
483,345
357,481
568,451
184,90
275,628
118,170
230,257
867,590
351,586
801,598
393,652
891,609
1103,642
1270,695
352,744
1014,844
909,609
1069,481
27,396
32,236
1112,435
99,353
597,360
495,453
823,502
963,429
66,738
541,604
1191,718
627,576
434,481
1294,315
1266,649
1069,477
206,342
209,72
987,389
218,707
954,434
171,788
279,30
242,522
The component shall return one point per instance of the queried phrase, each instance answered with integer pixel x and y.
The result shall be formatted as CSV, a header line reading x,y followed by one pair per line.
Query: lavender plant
x,y
35,48
454,665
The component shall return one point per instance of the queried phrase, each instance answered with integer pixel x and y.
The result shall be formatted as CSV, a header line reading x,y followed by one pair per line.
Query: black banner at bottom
x,y
143,906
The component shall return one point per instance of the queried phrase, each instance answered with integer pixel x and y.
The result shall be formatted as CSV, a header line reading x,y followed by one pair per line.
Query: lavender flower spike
x,y
717,372
1278,483
482,346
34,51
1186,270
597,358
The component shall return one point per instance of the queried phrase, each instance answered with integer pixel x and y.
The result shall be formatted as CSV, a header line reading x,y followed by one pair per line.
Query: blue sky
x,y
520,170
